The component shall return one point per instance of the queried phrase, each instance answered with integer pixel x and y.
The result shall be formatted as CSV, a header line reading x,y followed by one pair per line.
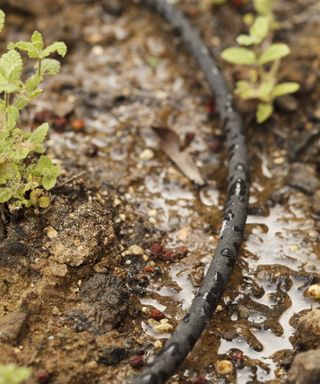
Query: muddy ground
x,y
91,287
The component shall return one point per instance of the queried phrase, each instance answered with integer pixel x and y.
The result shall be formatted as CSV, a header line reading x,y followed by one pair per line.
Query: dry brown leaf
x,y
171,145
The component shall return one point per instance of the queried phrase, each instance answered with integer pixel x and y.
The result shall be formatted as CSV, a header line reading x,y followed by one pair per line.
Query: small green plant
x,y
263,58
11,374
219,2
25,172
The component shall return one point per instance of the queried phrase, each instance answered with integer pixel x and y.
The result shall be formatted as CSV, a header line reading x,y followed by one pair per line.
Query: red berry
x,y
136,361
156,314
60,123
156,250
42,376
149,268
199,380
78,124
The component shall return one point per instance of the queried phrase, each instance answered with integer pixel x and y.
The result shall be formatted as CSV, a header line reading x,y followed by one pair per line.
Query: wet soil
x,y
92,286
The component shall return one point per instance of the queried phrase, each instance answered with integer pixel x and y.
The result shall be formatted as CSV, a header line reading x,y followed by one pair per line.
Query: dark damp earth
x,y
93,286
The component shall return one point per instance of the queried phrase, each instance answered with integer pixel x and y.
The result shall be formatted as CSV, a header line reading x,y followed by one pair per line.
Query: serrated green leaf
x,y
282,89
50,67
5,195
260,28
10,71
37,137
26,46
32,83
58,47
12,117
20,153
274,52
2,19
11,374
8,171
37,40
239,56
48,171
264,111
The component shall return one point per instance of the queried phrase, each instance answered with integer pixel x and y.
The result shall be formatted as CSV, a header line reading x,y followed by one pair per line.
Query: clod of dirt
x,y
303,177
11,326
84,234
316,201
287,103
308,330
56,270
112,355
12,251
305,368
104,304
35,6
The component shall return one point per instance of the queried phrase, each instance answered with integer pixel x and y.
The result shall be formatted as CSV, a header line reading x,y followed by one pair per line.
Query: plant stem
x,y
39,67
6,100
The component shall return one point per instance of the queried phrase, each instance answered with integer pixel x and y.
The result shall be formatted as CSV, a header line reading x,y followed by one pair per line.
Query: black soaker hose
x,y
235,212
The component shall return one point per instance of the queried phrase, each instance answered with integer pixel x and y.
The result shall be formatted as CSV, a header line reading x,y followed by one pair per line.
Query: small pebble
x,y
51,232
146,155
156,314
313,291
135,250
158,344
42,376
56,270
78,125
163,327
117,202
278,160
136,361
224,367
56,311
199,380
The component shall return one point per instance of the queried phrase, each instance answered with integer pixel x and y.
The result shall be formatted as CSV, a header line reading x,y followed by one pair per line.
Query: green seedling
x,y
11,374
219,2
26,174
262,58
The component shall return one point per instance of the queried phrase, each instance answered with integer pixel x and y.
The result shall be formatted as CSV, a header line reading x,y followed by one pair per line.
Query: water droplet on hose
x,y
226,252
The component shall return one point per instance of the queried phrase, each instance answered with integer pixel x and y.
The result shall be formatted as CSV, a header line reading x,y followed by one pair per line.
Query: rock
x,y
112,355
316,112
146,155
313,291
224,367
56,270
113,7
51,232
11,326
316,201
135,250
35,6
305,368
303,177
83,234
308,330
13,252
104,304
287,103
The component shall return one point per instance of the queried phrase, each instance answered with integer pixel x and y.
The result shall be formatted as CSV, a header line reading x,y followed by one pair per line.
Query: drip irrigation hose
x,y
205,302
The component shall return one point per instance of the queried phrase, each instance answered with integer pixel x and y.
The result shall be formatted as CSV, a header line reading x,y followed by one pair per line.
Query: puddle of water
x,y
281,238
